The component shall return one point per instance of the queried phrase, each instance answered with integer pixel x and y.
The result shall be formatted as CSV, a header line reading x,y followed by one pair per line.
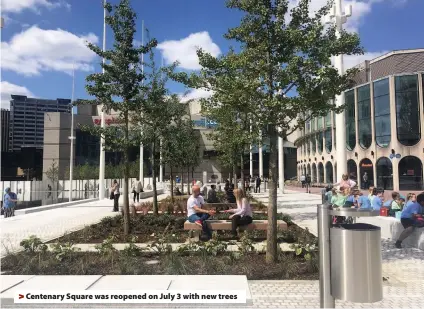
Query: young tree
x,y
159,109
53,175
285,61
118,88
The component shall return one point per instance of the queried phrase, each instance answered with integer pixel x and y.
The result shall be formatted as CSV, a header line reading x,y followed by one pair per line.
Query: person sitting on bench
x,y
242,215
411,218
196,214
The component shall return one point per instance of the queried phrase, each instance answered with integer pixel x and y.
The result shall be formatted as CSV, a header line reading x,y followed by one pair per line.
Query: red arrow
x,y
21,296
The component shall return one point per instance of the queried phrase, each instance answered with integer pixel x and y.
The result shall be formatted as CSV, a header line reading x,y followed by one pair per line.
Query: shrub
x,y
106,247
33,244
132,249
63,251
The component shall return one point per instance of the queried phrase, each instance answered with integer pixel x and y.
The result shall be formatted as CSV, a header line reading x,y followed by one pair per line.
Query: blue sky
x,y
43,38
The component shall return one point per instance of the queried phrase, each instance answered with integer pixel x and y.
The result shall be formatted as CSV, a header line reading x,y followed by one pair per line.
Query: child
x,y
395,205
371,193
328,193
377,201
339,198
411,218
350,200
410,199
362,202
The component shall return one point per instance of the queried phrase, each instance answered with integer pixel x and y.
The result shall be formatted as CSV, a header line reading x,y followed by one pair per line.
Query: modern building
x,y
27,120
5,123
384,120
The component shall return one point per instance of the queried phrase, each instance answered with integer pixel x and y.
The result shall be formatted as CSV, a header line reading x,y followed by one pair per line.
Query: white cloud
x,y
17,6
35,50
184,50
353,60
7,89
194,94
360,9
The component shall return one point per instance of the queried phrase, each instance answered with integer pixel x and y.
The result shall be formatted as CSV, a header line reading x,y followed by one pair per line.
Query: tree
x,y
118,88
159,109
285,64
52,174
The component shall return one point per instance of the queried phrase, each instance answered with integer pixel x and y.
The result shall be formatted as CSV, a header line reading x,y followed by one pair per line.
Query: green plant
x,y
33,244
245,245
305,250
106,247
132,249
64,251
160,246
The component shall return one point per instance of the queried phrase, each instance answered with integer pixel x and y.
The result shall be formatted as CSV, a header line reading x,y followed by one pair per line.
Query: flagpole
x,y
72,137
102,162
141,168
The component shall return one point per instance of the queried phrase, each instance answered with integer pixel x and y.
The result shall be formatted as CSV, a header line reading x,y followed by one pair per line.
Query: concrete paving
x,y
53,223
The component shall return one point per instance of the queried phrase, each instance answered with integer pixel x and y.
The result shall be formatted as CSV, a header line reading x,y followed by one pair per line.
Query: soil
x,y
252,265
148,228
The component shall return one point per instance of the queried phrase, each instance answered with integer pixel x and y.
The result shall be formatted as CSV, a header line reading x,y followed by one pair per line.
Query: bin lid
x,y
359,227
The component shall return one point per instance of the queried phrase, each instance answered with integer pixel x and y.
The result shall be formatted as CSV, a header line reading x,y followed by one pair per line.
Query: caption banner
x,y
122,297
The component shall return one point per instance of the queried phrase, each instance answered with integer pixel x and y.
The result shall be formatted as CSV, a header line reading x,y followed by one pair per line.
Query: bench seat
x,y
391,228
225,225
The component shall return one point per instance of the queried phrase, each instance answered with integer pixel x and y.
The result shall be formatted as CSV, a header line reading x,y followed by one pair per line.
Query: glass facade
x,y
314,144
328,140
410,173
385,173
328,120
382,112
320,123
320,137
329,172
364,116
350,120
320,172
407,110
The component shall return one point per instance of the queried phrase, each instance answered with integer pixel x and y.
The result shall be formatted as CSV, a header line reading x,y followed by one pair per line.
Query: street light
x,y
72,138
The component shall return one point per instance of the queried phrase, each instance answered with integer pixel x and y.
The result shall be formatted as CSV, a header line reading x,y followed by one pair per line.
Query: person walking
x,y
365,180
116,194
9,203
258,184
308,183
303,180
137,187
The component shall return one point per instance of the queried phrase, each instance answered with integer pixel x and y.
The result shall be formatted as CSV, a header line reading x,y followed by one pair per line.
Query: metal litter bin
x,y
356,265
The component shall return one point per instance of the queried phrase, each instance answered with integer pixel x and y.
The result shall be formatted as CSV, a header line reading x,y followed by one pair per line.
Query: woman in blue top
x,y
9,202
377,201
411,218
410,199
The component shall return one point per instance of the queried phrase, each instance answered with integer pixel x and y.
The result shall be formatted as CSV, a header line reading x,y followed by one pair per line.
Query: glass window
x,y
329,172
328,140
308,126
382,112
320,123
314,144
308,146
407,110
384,173
313,128
328,120
350,120
410,173
320,137
364,116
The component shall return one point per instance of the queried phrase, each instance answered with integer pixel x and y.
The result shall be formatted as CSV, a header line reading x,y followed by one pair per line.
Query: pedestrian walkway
x,y
50,224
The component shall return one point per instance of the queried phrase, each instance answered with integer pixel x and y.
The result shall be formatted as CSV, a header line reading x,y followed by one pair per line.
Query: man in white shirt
x,y
196,214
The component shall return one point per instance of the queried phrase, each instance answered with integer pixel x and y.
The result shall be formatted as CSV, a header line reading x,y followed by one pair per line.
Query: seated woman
x,y
395,205
242,215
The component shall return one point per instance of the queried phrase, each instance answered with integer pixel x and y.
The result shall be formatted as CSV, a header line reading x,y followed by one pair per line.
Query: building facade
x,y
384,120
5,123
27,120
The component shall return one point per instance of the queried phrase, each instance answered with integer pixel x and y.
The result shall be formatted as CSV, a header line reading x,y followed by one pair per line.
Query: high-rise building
x,y
27,120
5,122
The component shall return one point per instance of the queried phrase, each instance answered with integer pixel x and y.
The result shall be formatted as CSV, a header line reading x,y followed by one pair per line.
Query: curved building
x,y
384,121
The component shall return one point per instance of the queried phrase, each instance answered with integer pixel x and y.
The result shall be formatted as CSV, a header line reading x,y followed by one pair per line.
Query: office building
x,y
5,123
27,120
384,120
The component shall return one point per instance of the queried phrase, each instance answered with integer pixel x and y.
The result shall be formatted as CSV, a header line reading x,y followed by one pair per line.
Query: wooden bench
x,y
224,206
225,225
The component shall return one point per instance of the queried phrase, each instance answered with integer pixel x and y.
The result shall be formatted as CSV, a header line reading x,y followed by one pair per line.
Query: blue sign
x,y
398,156
392,156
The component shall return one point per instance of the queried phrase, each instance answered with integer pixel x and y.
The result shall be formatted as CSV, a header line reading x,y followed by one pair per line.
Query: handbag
x,y
384,212
112,196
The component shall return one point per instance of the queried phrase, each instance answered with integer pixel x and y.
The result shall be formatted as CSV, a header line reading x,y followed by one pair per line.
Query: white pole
x,y
102,114
341,157
261,159
72,138
160,152
280,162
251,155
141,168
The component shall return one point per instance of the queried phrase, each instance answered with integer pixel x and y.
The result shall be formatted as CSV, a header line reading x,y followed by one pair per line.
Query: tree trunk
x,y
235,175
182,181
271,237
155,192
126,173
188,180
242,171
171,180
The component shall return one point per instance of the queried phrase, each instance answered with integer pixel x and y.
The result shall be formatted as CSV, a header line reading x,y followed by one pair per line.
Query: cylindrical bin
x,y
356,270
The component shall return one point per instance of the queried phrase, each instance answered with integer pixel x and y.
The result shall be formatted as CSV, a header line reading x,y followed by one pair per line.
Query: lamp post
x,y
102,124
339,18
72,138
